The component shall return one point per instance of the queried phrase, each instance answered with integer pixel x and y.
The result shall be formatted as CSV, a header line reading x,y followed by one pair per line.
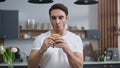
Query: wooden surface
x,y
107,14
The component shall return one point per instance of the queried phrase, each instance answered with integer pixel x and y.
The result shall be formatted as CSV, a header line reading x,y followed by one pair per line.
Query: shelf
x,y
30,34
84,34
31,30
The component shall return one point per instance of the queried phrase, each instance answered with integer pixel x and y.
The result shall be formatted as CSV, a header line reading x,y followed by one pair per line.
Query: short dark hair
x,y
59,6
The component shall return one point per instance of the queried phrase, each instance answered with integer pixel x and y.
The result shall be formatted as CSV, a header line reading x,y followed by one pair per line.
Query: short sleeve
x,y
74,42
78,45
39,40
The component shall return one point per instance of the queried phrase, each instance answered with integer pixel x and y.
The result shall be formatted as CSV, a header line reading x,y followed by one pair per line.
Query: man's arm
x,y
75,59
36,55
34,58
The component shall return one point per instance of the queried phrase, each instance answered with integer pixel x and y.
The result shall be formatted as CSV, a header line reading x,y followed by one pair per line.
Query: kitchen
x,y
86,18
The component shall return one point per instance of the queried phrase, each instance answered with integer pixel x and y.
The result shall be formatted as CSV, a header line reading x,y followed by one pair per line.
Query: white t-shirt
x,y
55,57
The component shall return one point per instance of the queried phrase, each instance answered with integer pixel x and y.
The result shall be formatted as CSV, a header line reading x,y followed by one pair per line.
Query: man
x,y
63,52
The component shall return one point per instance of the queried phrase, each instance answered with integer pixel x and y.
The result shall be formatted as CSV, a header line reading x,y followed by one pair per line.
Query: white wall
x,y
79,15
23,45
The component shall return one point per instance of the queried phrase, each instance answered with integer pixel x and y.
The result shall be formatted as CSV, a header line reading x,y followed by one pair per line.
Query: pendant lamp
x,y
2,0
85,2
40,1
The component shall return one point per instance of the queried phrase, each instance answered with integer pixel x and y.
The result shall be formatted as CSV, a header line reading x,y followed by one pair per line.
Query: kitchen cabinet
x,y
4,66
14,67
9,24
91,66
103,66
0,23
108,64
93,34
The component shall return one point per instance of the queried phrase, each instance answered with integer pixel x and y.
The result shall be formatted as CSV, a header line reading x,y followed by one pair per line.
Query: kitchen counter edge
x,y
85,63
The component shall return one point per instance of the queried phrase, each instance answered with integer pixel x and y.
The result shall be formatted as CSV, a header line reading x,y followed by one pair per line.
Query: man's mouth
x,y
57,27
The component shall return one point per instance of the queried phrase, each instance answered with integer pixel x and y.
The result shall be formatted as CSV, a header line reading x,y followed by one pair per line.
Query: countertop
x,y
100,62
85,63
15,64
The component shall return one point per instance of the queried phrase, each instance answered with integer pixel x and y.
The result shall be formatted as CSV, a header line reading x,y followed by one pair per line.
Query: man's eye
x,y
53,18
61,17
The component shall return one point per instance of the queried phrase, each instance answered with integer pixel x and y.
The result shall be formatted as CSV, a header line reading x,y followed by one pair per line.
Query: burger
x,y
55,36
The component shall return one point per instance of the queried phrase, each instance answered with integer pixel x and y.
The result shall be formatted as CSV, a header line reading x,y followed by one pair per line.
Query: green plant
x,y
8,54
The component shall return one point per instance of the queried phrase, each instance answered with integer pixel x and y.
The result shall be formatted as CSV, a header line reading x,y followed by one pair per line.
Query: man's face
x,y
58,20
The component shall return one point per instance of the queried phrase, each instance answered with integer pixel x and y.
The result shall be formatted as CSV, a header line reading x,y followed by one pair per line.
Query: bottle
x,y
33,24
105,55
28,24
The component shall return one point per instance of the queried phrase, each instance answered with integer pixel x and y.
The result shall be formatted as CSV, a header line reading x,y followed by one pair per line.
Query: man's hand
x,y
61,43
48,42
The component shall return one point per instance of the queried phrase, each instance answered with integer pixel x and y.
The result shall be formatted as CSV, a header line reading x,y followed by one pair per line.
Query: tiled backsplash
x,y
23,45
26,45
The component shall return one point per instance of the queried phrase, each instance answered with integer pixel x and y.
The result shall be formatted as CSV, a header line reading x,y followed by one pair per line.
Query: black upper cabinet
x,y
93,34
9,24
0,24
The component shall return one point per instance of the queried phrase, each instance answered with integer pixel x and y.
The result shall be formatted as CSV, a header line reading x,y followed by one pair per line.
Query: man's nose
x,y
57,20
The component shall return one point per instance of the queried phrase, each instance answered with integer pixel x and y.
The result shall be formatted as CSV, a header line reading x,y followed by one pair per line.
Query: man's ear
x,y
67,17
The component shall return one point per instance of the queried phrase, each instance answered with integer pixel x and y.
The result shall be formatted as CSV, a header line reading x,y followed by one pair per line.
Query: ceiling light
x,y
85,2
2,0
40,1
